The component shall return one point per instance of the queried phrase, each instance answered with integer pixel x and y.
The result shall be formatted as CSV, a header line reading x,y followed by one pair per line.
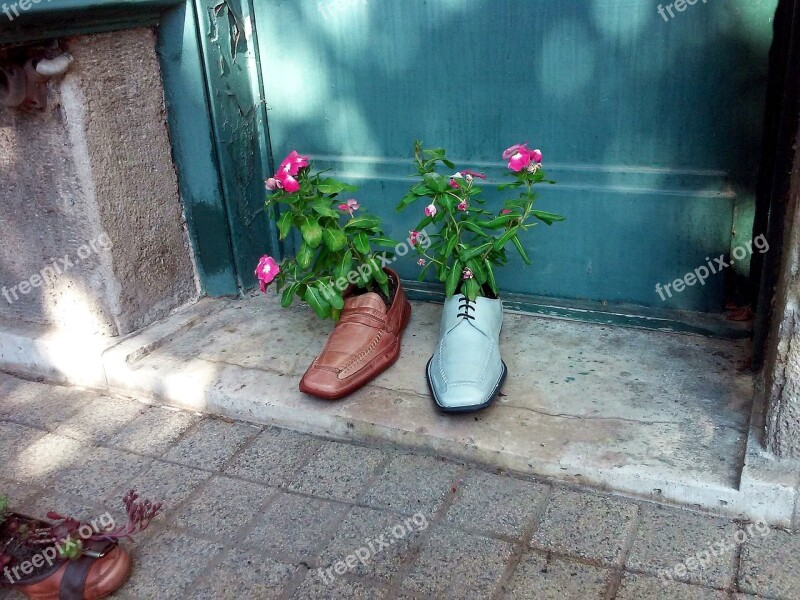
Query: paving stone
x,y
293,526
770,564
67,505
454,564
166,566
223,507
412,484
38,458
644,587
18,494
100,419
243,575
556,579
166,483
274,456
15,438
682,546
339,471
495,504
211,443
154,431
99,473
383,540
314,587
585,525
39,405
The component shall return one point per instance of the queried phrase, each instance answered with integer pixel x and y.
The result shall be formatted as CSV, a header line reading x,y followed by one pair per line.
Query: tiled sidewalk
x,y
256,512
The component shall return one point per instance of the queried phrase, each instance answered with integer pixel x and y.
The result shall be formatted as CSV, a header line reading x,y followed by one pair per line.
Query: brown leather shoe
x,y
364,343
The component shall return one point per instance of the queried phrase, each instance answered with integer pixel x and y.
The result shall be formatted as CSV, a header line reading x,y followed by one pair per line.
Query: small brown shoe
x,y
364,343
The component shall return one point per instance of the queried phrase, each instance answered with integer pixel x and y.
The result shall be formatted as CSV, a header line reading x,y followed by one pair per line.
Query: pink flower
x,y
509,152
421,262
266,271
462,205
272,184
470,174
293,163
453,183
519,160
413,237
536,156
430,210
505,211
286,182
350,206
467,274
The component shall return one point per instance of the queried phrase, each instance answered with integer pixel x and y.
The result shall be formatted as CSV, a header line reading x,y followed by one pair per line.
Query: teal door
x,y
650,123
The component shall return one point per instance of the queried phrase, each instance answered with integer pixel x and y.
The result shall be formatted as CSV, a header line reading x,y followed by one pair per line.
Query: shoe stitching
x,y
364,352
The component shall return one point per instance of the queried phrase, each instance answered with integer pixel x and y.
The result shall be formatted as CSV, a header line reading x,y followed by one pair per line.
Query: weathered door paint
x,y
650,124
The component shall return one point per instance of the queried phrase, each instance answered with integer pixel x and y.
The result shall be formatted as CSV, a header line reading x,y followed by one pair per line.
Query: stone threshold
x,y
660,416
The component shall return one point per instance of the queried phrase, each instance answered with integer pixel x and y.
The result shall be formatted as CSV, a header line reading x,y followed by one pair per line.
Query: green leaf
x,y
500,242
547,217
367,222
361,242
378,274
385,242
334,239
284,224
500,221
331,296
490,276
304,256
473,252
312,232
470,289
288,295
453,278
435,182
317,303
323,208
406,200
345,265
450,164
473,228
332,186
385,288
420,190
521,250
451,244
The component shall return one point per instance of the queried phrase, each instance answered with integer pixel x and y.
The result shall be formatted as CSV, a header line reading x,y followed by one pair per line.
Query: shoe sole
x,y
470,408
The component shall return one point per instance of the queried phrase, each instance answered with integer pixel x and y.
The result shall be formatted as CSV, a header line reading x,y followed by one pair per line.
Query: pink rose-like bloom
x,y
421,262
266,271
453,184
520,160
350,206
467,274
536,155
272,184
430,210
287,182
462,205
293,163
509,152
413,237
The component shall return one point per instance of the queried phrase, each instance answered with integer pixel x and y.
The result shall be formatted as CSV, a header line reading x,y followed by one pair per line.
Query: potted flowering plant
x,y
466,370
67,558
338,271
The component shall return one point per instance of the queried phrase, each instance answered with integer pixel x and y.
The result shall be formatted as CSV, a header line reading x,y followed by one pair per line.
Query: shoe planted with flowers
x,y
466,371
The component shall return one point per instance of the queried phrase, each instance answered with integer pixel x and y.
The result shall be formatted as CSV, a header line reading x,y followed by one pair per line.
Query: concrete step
x,y
662,416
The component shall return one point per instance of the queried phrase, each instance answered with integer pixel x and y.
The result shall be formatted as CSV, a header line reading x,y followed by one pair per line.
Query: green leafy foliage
x,y
335,244
471,241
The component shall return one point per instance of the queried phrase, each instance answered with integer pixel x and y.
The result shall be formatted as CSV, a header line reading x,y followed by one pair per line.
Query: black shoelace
x,y
465,305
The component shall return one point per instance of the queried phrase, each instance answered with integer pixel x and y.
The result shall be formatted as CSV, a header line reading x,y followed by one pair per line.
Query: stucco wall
x,y
782,361
90,183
